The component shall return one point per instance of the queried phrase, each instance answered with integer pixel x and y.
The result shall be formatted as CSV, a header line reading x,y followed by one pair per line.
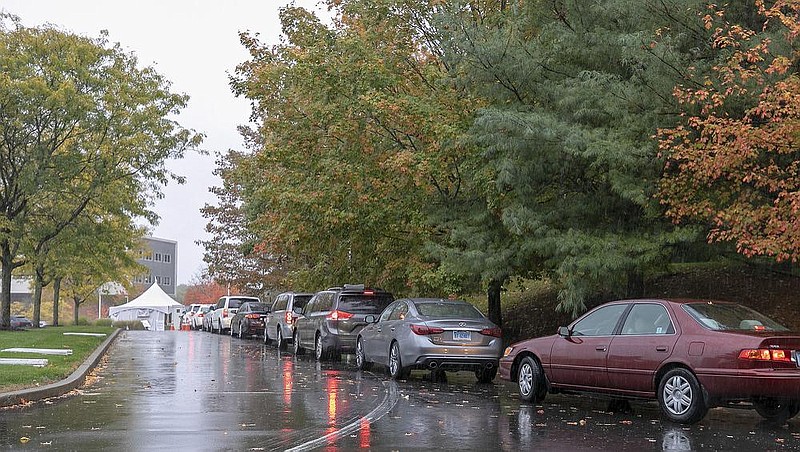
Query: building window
x,y
158,279
167,258
158,257
147,279
166,281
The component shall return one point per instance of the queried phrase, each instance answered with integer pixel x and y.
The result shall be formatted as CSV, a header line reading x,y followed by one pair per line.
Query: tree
x,y
204,291
80,123
567,169
357,132
734,161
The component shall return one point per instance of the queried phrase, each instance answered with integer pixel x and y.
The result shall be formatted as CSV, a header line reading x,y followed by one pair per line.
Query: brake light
x,y
289,317
224,313
369,292
200,315
763,354
494,332
424,330
339,315
252,316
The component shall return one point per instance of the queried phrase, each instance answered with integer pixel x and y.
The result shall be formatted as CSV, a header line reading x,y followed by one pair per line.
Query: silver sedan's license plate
x,y
462,336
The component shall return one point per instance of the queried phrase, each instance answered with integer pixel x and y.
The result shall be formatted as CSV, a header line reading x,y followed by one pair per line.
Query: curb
x,y
75,380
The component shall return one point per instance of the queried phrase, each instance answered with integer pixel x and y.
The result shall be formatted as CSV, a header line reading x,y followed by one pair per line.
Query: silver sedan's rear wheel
x,y
681,397
319,351
361,359
396,370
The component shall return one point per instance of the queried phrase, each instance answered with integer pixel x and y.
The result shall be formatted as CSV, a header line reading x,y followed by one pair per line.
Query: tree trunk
x,y
495,313
56,289
77,303
5,290
37,300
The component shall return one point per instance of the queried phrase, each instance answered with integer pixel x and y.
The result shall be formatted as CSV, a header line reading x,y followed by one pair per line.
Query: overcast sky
x,y
194,44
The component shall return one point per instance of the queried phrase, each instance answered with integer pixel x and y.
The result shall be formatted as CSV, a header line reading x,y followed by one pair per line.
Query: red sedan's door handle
x,y
661,348
600,348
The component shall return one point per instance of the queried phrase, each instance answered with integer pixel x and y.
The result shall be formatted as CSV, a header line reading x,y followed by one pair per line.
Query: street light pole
x,y
99,303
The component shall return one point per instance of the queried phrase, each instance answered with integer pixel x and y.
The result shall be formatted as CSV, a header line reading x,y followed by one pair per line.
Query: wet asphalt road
x,y
198,391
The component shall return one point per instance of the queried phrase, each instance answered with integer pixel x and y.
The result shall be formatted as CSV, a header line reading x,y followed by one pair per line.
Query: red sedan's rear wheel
x,y
681,397
777,410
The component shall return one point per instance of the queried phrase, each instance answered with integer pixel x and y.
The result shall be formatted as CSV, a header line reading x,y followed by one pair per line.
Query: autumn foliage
x,y
204,292
733,163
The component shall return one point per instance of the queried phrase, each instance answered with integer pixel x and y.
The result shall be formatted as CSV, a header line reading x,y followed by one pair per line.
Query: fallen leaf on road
x,y
24,439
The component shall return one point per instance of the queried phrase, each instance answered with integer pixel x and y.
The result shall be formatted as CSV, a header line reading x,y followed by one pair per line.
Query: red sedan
x,y
690,355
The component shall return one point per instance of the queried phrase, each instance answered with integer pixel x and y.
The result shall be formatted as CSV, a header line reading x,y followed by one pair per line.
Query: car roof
x,y
433,300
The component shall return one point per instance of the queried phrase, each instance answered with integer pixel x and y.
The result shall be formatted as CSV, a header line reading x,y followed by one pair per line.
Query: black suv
x,y
331,320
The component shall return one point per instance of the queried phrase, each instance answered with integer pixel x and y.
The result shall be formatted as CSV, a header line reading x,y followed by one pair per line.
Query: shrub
x,y
103,322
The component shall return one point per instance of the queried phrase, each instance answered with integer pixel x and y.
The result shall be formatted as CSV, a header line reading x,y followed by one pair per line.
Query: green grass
x,y
19,377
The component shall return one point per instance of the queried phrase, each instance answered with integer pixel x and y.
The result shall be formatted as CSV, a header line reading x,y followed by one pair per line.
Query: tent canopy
x,y
153,305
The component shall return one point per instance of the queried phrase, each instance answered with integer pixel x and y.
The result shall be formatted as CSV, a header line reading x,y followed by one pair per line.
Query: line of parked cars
x,y
415,333
688,355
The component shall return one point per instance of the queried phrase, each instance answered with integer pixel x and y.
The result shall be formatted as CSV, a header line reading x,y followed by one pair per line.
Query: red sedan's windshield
x,y
731,317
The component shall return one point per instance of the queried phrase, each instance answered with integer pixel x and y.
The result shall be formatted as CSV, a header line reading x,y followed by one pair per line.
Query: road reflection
x,y
197,391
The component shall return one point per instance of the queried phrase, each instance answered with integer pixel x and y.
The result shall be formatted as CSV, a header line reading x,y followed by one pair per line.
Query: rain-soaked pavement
x,y
198,391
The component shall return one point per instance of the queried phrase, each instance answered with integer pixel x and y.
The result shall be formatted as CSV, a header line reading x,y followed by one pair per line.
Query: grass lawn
x,y
14,377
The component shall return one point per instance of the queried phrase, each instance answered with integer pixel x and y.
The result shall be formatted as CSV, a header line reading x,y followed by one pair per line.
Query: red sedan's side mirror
x,y
564,331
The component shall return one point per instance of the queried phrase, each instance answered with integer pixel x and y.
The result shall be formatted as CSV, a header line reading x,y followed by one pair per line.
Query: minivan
x,y
285,310
331,320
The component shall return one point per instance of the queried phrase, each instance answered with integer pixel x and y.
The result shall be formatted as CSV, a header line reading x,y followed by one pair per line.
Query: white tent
x,y
153,307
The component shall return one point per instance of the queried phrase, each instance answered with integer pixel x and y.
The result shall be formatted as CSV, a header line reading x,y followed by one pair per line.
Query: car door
x,y
387,331
579,359
304,322
371,335
646,339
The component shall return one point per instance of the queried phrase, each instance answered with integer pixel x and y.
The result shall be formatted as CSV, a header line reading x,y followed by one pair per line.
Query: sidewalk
x,y
75,380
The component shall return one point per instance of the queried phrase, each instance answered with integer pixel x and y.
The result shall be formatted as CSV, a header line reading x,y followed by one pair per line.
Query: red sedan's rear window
x,y
731,317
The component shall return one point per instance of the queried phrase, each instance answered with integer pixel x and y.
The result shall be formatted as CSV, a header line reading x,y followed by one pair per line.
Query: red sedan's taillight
x,y
495,332
424,330
339,315
200,315
252,316
765,354
289,318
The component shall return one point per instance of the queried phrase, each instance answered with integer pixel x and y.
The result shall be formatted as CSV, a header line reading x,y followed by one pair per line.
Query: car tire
x,y
298,349
361,358
776,410
485,375
319,349
530,381
281,342
396,369
680,397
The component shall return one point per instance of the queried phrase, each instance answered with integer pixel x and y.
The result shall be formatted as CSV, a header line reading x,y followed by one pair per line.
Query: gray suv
x,y
285,310
332,319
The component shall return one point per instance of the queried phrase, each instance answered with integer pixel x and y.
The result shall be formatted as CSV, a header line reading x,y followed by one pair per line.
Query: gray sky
x,y
194,44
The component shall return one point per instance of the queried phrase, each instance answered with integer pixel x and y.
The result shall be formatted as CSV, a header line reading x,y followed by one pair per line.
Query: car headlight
x,y
508,351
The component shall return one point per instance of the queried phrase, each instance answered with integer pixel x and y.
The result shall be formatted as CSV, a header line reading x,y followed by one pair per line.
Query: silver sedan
x,y
430,333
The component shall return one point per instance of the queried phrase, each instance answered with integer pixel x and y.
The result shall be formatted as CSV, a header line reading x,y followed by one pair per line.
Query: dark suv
x,y
331,320
280,323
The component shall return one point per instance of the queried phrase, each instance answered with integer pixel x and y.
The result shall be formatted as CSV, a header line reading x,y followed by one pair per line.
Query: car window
x,y
236,302
280,303
221,302
255,307
311,305
364,303
648,318
298,301
600,322
731,316
448,310
386,313
399,312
